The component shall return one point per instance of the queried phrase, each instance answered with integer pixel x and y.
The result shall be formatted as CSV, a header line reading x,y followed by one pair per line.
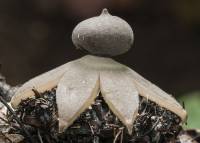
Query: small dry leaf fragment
x,y
187,139
14,138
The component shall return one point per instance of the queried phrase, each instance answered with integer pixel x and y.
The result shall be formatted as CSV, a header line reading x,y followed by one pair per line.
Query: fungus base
x,y
97,124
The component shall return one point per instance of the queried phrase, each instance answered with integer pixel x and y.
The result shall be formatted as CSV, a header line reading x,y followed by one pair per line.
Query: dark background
x,y
35,36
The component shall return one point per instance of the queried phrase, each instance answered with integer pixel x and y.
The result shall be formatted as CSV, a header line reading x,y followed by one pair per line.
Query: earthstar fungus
x,y
80,81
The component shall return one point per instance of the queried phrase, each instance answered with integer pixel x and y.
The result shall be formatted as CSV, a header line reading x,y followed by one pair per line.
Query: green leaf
x,y
192,105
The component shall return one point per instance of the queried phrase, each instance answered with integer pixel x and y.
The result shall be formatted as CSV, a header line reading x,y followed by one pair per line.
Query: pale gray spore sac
x,y
104,35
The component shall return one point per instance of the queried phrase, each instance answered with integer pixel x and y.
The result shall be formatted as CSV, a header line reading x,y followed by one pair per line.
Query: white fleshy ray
x,y
76,91
121,96
41,83
155,94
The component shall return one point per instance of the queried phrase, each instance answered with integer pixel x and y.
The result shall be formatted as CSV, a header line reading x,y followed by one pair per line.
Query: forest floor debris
x,y
35,121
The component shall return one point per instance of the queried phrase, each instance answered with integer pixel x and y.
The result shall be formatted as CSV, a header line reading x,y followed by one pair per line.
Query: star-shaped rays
x,y
79,83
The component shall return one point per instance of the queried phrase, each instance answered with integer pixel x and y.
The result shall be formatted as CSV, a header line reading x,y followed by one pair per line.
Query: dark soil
x,y
36,119
97,124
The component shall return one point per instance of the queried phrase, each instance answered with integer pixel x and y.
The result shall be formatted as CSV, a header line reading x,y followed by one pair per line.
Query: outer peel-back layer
x,y
76,91
157,95
79,82
41,83
121,96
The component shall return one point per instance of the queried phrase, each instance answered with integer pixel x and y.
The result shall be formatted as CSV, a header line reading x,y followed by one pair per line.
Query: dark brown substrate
x,y
96,125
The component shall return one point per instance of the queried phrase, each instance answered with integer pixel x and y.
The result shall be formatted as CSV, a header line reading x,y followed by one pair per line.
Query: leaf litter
x,y
36,120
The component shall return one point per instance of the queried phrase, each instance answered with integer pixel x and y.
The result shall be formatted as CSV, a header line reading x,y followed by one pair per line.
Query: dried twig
x,y
4,120
39,136
120,132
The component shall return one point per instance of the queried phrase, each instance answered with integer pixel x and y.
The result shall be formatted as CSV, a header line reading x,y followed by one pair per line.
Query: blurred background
x,y
35,36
